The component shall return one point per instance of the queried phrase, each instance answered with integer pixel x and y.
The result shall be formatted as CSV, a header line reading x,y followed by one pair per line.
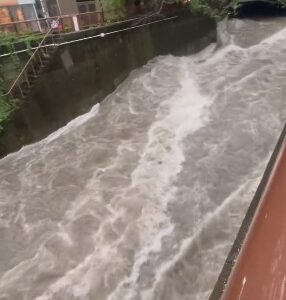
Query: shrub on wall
x,y
5,106
214,9
113,9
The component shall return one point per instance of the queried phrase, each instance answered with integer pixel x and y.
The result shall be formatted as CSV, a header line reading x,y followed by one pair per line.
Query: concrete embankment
x,y
83,73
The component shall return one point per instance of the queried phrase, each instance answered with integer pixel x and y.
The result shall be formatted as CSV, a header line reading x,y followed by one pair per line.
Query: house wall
x,y
18,10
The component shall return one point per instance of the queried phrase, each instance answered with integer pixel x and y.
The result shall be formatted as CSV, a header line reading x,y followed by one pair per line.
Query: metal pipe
x,y
41,45
33,68
21,92
94,36
44,8
59,7
38,22
27,80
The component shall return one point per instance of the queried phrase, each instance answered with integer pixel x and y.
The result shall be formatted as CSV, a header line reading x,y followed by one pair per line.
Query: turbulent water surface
x,y
141,198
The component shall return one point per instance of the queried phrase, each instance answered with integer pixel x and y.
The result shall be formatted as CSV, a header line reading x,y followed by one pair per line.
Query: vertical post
x,y
44,8
75,23
59,7
34,71
39,55
21,91
39,25
102,17
27,80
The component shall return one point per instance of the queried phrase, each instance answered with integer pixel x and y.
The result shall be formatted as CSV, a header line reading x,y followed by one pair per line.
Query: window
x,y
4,15
86,6
6,18
30,14
18,13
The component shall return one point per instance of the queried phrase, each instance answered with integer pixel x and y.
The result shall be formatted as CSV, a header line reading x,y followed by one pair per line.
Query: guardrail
x,y
50,27
32,67
66,23
81,21
72,22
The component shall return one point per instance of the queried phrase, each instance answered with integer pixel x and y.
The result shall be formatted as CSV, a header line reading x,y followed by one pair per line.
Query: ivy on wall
x,y
214,10
113,9
6,107
8,41
7,45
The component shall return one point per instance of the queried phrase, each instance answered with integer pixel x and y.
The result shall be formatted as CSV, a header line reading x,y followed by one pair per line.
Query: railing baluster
x,y
46,50
39,54
26,68
33,68
27,80
20,91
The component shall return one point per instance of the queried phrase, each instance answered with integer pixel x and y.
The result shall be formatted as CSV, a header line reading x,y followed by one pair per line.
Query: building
x,y
26,13
67,7
17,11
52,8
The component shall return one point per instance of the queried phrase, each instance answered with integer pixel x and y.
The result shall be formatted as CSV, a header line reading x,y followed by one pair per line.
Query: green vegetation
x,y
8,41
5,106
7,45
214,10
203,7
282,3
5,110
113,9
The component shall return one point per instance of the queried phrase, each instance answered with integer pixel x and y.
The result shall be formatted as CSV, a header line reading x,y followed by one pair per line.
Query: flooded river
x,y
141,198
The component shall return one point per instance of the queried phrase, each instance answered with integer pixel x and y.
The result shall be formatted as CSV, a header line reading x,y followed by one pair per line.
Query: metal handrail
x,y
29,61
50,18
66,17
94,36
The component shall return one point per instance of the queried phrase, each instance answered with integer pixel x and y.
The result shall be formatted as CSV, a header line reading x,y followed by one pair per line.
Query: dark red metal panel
x,y
260,270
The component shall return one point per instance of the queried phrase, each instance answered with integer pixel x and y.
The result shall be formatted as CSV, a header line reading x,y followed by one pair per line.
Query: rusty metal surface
x,y
260,272
251,271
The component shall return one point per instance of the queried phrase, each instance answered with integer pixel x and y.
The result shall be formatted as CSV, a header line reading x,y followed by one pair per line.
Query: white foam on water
x,y
70,126
278,36
80,120
243,193
142,200
159,165
161,160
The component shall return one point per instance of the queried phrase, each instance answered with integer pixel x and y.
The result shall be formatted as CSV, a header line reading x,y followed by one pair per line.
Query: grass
x,y
6,109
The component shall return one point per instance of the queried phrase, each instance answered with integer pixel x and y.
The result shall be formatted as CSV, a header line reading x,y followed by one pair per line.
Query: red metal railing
x,y
73,22
81,21
66,23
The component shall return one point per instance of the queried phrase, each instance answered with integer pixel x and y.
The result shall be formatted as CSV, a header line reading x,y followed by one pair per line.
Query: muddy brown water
x,y
141,198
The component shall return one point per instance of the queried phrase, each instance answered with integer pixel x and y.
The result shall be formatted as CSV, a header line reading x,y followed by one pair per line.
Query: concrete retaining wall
x,y
84,73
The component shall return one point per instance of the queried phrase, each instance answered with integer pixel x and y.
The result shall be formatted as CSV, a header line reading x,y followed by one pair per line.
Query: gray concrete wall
x,y
84,73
